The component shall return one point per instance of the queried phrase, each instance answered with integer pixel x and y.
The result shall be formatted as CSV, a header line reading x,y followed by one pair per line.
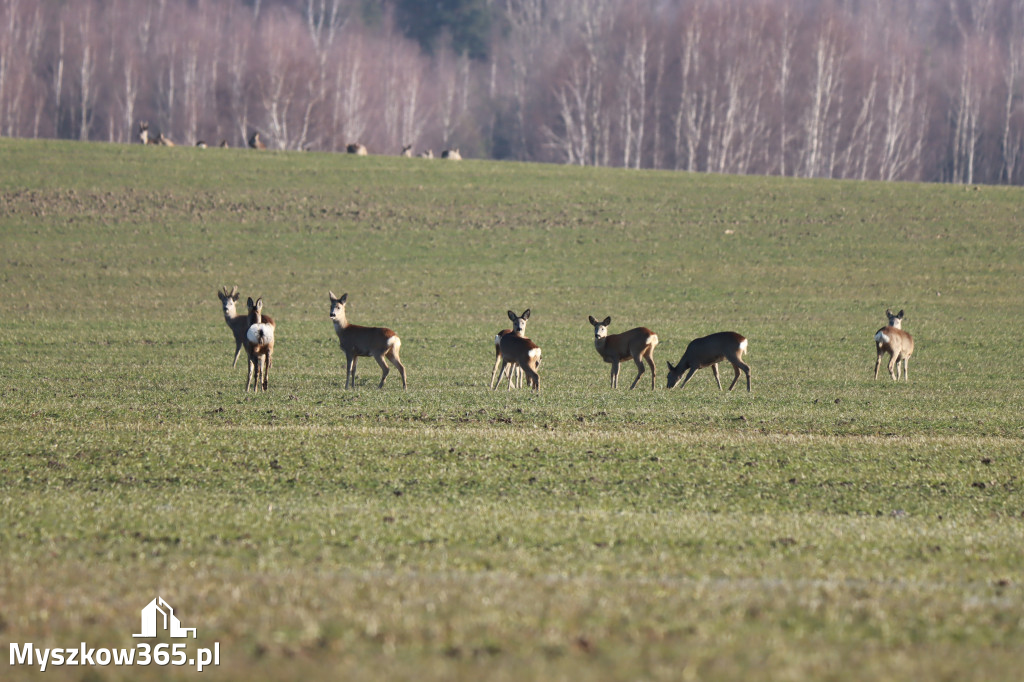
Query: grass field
x,y
825,526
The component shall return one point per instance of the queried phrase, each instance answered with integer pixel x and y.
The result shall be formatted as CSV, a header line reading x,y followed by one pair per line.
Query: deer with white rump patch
x,y
238,324
518,351
380,343
259,345
638,343
515,372
897,343
711,350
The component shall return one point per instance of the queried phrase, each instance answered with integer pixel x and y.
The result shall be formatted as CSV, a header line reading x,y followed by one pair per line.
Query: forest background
x,y
927,90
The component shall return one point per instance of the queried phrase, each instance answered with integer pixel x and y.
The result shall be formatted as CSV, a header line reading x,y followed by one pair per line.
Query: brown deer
x,y
356,148
429,154
451,155
638,343
407,151
519,351
255,142
259,345
380,343
897,343
238,324
144,132
515,372
163,141
711,350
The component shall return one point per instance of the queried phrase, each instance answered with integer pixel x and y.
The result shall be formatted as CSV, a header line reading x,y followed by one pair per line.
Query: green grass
x,y
825,526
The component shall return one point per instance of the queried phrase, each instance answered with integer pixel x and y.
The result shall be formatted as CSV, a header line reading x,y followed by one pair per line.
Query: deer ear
x,y
331,294
900,315
511,316
607,321
249,303
592,320
259,303
670,367
344,297
888,312
526,315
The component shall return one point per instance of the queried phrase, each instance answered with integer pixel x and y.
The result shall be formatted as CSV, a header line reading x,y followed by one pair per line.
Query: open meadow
x,y
824,526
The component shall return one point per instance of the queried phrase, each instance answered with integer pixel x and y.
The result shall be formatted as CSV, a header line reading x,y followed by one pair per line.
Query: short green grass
x,y
825,526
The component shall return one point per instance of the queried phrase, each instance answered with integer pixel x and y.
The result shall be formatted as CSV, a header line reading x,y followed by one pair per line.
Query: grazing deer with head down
x,y
380,343
638,343
515,372
163,141
356,148
255,142
259,345
451,154
519,351
897,343
711,350
429,154
144,132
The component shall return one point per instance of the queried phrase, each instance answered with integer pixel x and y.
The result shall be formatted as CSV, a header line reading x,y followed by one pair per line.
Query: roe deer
x,y
637,343
376,342
711,350
163,141
239,324
519,351
259,345
356,148
407,151
515,372
144,132
897,343
255,142
451,155
429,154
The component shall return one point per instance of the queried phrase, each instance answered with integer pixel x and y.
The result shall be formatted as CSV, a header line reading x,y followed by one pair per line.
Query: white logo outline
x,y
150,621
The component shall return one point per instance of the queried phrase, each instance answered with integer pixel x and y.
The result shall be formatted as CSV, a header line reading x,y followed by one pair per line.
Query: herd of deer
x,y
256,142
513,351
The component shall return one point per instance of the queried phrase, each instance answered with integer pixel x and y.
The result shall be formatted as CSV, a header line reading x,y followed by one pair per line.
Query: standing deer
x,y
259,345
519,351
637,343
144,132
407,151
376,342
239,324
897,343
711,350
255,142
356,148
515,372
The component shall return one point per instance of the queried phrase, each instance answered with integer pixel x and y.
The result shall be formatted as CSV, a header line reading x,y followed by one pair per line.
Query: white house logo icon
x,y
151,620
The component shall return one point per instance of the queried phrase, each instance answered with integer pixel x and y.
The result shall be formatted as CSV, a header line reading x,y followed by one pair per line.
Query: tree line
x,y
876,89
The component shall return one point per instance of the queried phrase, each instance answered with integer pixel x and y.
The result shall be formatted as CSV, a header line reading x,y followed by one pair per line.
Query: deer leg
x,y
384,369
397,362
238,351
350,370
497,364
532,378
687,377
892,366
878,362
650,361
718,380
639,370
615,373
906,376
252,370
